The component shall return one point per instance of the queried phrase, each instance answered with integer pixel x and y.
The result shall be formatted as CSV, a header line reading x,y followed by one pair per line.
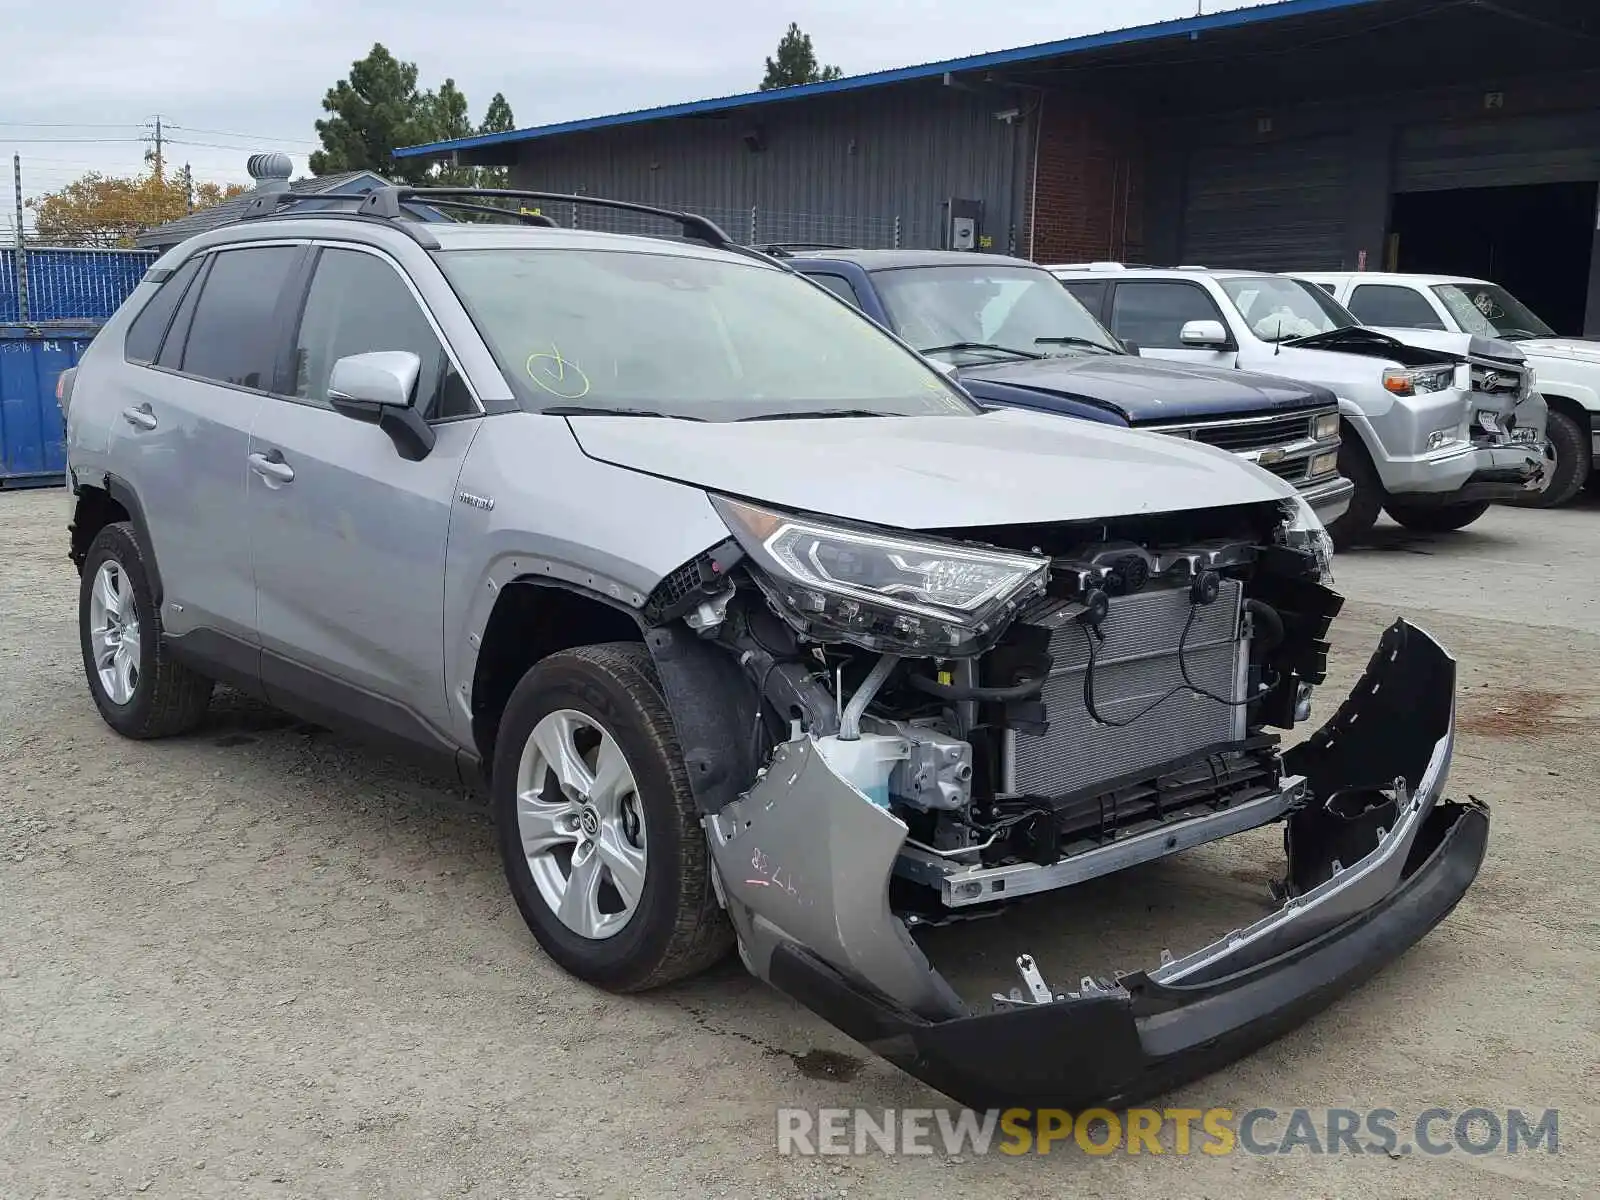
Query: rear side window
x,y
1153,314
837,284
231,338
1090,294
143,342
1397,307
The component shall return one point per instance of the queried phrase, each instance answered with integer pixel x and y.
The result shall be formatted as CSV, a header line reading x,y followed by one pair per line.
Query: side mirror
x,y
1130,347
1208,335
378,387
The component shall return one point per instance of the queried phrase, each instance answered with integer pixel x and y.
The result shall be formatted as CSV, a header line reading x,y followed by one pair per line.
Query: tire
x,y
1574,454
674,926
142,692
1436,518
1367,500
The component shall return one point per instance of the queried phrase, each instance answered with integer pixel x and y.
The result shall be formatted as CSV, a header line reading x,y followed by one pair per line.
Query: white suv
x,y
1421,308
1432,434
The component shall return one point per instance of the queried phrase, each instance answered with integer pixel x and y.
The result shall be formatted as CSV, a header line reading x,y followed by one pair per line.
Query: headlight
x,y
1303,530
1530,382
1403,382
1325,426
881,590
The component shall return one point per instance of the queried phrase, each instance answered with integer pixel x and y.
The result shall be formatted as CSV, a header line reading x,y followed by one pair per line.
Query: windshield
x,y
983,313
675,336
1488,310
1277,309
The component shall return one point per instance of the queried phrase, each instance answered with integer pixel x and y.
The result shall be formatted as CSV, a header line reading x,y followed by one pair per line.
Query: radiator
x,y
1136,663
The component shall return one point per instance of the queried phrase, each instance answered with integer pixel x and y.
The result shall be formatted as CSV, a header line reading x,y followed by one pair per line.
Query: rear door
x,y
348,537
203,363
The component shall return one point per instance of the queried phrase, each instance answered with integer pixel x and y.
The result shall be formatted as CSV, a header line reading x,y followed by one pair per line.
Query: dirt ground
x,y
264,961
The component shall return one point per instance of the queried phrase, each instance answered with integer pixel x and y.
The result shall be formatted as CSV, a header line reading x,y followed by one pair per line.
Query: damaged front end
x,y
1050,705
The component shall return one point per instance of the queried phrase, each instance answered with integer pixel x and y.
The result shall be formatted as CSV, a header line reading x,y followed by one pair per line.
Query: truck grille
x,y
1254,434
1496,381
1137,662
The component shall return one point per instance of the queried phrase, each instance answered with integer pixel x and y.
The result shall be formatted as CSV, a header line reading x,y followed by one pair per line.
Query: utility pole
x,y
21,250
158,162
188,188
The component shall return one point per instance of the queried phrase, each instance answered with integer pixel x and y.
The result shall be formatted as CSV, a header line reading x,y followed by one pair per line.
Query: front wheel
x,y
1366,502
1571,469
598,830
1436,518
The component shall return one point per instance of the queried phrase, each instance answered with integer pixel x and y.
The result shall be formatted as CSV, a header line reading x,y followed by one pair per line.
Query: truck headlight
x,y
1530,382
1412,381
880,590
1303,530
1325,426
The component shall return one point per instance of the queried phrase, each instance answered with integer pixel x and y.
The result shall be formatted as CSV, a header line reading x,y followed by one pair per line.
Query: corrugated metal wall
x,y
861,170
1272,207
1497,152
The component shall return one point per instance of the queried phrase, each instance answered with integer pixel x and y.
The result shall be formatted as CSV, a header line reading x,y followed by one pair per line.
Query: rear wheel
x,y
140,690
1436,518
1367,500
599,833
1571,468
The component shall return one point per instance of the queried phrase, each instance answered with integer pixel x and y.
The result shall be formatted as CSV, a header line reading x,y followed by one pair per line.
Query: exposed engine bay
x,y
887,731
1127,687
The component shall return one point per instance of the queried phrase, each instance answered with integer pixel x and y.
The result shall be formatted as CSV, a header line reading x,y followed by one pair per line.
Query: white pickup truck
x,y
1417,306
1430,433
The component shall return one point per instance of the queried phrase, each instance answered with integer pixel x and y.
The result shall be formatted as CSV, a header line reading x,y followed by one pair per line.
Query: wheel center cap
x,y
589,822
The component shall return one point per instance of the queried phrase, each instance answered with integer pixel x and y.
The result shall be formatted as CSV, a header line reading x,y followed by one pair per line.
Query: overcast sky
x,y
81,84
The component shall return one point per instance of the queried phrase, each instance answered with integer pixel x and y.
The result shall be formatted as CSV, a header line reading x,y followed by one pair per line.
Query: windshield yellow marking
x,y
557,375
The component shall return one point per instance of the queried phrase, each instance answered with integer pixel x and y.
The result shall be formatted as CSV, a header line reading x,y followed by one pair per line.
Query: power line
x,y
63,125
78,140
254,137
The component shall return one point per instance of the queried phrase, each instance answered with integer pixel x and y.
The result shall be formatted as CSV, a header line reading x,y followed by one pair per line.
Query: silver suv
x,y
754,627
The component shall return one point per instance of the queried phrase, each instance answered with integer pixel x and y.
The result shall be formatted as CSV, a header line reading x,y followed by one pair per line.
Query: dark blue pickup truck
x,y
1014,336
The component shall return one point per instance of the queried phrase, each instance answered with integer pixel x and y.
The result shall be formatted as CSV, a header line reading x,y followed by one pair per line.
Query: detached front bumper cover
x,y
1375,861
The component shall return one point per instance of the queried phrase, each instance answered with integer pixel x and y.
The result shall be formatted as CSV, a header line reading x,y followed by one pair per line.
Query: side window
x,y
1394,306
1154,313
838,285
231,336
358,303
1089,293
178,331
143,342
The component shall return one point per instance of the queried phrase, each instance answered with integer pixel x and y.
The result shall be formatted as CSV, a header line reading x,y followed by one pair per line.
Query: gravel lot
x,y
264,961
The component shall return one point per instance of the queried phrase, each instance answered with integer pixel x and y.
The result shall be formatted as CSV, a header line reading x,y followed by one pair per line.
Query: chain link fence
x,y
51,283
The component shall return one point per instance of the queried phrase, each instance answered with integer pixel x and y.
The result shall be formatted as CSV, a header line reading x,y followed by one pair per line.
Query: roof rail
x,y
266,204
787,249
389,201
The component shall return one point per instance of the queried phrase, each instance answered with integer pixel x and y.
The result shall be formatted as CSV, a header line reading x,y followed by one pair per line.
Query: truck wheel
x,y
1367,500
1571,469
140,690
598,830
1436,518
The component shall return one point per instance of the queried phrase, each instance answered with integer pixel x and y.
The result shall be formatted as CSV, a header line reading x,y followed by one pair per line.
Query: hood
x,y
1007,466
1412,347
1572,349
1147,391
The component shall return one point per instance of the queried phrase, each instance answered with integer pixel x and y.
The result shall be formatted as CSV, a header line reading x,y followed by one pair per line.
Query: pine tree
x,y
796,63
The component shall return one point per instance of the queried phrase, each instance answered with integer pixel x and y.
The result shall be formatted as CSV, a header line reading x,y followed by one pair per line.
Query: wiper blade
x,y
1068,340
579,410
990,347
812,414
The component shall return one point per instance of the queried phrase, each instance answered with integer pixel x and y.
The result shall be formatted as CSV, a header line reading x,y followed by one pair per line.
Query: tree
x,y
106,211
379,109
796,63
374,111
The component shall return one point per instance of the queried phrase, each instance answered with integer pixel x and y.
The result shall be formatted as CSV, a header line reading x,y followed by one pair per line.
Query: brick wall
x,y
1088,196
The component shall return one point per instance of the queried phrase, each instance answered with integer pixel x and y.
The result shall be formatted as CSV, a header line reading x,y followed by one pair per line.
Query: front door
x,y
1153,312
347,536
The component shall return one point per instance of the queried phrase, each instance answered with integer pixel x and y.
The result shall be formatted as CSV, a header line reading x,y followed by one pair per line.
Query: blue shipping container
x,y
33,447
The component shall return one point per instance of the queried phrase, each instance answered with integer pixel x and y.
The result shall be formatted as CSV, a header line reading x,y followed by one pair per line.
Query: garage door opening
x,y
1535,241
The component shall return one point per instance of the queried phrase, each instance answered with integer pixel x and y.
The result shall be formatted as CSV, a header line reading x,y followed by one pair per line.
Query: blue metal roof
x,y
1184,27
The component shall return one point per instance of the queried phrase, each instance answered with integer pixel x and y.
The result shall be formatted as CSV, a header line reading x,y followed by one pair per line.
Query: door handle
x,y
141,417
272,467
